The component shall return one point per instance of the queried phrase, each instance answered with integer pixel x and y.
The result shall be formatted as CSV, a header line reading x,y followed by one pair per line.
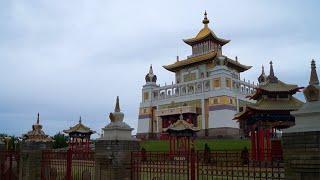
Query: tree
x,y
60,141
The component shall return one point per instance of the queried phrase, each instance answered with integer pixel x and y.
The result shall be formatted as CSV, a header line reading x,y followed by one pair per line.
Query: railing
x,y
67,165
203,165
197,87
9,165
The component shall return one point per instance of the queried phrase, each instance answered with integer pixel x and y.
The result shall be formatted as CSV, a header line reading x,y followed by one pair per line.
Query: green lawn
x,y
214,144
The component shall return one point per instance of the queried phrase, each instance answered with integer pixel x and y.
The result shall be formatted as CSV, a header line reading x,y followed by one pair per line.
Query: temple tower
x,y
271,112
301,142
207,90
147,123
34,142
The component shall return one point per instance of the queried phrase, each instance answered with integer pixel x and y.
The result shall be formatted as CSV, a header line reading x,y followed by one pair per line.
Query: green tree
x,y
60,141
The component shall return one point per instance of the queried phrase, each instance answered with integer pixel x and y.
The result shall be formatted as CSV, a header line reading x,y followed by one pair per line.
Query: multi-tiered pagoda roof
x,y
274,103
205,35
79,129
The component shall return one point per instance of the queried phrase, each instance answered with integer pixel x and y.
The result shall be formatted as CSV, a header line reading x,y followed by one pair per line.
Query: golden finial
x,y
313,76
272,78
80,121
205,20
181,116
150,69
271,70
38,118
117,108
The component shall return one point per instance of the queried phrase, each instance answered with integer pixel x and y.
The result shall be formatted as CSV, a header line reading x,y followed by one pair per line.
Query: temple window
x,y
146,96
215,101
228,82
216,83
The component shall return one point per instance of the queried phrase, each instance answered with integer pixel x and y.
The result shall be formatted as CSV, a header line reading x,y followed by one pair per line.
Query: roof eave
x,y
192,41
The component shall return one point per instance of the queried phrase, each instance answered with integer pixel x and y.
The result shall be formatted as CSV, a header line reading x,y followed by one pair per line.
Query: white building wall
x,y
143,125
222,118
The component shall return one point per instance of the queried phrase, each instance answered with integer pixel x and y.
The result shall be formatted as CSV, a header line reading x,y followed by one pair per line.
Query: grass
x,y
214,144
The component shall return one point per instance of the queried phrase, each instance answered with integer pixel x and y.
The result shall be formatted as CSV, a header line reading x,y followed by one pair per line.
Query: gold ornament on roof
x,y
37,134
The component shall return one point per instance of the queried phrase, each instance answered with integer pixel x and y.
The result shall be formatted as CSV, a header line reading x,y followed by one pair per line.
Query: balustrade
x,y
197,87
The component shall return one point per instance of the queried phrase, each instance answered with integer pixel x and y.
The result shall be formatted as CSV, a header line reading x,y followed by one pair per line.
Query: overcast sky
x,y
70,58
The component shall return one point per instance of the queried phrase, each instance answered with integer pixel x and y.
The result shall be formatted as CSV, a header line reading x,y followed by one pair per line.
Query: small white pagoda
x,y
301,142
308,116
117,129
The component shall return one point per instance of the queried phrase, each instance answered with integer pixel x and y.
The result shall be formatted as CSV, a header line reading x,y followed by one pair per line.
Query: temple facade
x,y
207,91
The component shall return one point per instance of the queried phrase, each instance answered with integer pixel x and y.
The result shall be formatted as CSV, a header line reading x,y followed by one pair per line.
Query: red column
x,y
268,144
69,165
253,145
261,144
170,144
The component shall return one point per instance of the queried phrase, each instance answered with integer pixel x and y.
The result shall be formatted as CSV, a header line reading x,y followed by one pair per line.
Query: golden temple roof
x,y
268,104
274,85
79,128
181,125
271,105
204,33
195,59
37,134
202,59
278,87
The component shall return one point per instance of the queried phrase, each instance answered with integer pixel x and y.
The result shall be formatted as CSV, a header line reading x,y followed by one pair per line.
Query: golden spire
x,y
181,116
313,76
205,20
272,78
271,70
38,118
117,108
151,70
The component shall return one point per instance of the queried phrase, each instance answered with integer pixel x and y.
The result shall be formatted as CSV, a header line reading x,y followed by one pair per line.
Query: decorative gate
x,y
67,165
203,165
9,165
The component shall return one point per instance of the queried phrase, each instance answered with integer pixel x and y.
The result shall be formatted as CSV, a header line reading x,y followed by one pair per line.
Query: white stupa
x,y
308,116
117,129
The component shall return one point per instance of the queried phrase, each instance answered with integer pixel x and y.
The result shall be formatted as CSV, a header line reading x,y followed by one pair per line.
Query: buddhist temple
x,y
79,136
271,112
37,134
208,91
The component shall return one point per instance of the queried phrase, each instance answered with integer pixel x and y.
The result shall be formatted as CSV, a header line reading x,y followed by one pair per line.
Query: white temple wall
x,y
143,125
222,118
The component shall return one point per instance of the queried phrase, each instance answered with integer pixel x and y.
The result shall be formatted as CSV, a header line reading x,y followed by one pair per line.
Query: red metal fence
x,y
9,165
67,165
203,165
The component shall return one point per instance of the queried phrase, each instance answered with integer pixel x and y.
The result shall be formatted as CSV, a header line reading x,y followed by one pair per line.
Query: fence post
x,y
31,158
192,164
69,165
